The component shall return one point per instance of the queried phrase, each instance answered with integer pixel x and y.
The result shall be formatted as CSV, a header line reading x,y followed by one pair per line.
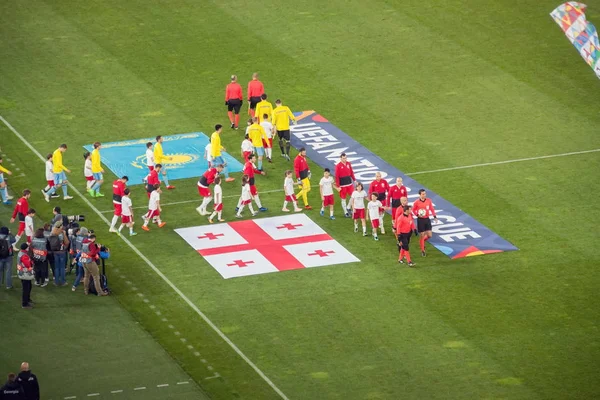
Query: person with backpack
x,y
89,254
58,245
25,274
6,256
39,252
50,258
76,246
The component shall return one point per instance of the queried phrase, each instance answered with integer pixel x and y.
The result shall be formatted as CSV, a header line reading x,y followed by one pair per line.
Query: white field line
x,y
159,273
573,153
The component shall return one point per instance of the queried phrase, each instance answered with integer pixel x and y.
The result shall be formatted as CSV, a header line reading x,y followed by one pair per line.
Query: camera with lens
x,y
75,218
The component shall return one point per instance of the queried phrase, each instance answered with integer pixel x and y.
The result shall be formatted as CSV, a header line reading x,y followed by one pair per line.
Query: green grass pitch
x,y
425,85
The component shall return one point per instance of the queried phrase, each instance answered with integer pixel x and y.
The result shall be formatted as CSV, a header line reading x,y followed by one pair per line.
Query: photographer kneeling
x,y
89,254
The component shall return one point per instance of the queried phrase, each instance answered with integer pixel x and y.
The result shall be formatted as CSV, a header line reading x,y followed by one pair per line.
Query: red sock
x,y
401,254
422,243
251,112
407,254
237,119
230,115
427,238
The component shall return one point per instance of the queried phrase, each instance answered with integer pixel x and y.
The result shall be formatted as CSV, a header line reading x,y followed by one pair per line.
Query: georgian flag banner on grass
x,y
582,33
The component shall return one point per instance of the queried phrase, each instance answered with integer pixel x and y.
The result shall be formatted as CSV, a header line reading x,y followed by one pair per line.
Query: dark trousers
x,y
50,260
41,271
26,292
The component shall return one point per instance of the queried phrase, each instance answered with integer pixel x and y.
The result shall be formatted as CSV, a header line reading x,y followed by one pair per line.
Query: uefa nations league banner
x,y
456,235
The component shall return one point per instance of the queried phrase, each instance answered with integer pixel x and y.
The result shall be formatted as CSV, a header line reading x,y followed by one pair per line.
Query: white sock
x,y
364,229
323,209
285,204
331,213
356,224
115,219
131,229
295,205
239,205
205,202
47,188
257,201
89,184
250,208
212,215
158,221
344,206
241,209
121,227
219,214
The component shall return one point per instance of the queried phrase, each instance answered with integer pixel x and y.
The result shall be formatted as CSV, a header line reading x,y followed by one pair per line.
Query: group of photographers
x,y
60,244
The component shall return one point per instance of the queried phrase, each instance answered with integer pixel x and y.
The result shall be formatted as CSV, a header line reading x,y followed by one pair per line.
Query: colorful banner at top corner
x,y
457,234
571,18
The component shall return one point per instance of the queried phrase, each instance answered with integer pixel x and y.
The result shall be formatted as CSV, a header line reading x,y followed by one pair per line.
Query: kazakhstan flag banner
x,y
186,151
582,33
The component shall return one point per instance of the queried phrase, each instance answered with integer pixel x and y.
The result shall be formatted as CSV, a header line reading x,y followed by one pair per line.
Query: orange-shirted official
x,y
405,226
233,101
255,90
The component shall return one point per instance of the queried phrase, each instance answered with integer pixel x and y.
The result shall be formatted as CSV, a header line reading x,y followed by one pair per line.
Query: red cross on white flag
x,y
265,245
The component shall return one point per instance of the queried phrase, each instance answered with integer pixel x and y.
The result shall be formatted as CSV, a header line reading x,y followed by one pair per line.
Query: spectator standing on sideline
x,y
25,274
58,245
29,382
39,251
233,101
12,390
255,91
89,254
47,233
6,256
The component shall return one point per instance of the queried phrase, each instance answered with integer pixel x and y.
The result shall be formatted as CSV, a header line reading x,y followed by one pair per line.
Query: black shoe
x,y
232,125
347,215
55,196
401,261
411,264
270,160
423,254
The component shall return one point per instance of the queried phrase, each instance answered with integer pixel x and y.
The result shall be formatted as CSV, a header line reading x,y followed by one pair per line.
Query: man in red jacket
x,y
255,90
395,195
233,101
20,212
303,176
344,179
380,187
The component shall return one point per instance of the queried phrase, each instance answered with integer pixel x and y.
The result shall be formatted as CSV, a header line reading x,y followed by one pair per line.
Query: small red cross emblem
x,y
288,226
240,263
211,236
321,253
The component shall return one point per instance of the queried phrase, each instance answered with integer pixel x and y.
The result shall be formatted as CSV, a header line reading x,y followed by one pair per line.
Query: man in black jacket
x,y
12,390
28,382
